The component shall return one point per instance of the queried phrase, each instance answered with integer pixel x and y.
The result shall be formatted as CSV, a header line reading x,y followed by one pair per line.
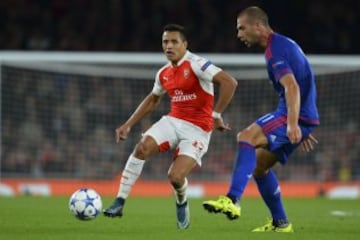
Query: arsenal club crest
x,y
186,73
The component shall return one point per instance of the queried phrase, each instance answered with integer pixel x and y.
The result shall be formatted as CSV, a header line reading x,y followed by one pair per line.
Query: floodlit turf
x,y
41,218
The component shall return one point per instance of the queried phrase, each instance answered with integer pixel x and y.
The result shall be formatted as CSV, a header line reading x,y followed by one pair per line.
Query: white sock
x,y
180,193
129,175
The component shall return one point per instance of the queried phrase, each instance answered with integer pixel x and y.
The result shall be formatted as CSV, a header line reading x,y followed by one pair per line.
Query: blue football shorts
x,y
274,126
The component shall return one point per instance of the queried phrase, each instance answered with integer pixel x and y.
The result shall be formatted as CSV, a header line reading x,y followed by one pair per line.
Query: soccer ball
x,y
85,204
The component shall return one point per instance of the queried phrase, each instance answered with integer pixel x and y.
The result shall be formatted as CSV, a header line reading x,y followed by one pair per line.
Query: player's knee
x,y
244,136
176,178
142,151
260,171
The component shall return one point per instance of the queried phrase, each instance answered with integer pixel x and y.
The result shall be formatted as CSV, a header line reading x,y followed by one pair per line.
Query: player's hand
x,y
220,125
122,132
308,144
294,133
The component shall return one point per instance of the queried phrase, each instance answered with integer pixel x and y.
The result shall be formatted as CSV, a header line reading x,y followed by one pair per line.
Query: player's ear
x,y
186,44
258,24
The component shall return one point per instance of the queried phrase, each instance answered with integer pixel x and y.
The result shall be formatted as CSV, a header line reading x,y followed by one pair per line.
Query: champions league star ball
x,y
85,204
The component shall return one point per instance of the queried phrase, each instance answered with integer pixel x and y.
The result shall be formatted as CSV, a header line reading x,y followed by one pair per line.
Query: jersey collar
x,y
187,53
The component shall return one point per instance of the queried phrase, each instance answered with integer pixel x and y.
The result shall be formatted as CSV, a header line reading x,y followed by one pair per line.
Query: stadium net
x,y
59,112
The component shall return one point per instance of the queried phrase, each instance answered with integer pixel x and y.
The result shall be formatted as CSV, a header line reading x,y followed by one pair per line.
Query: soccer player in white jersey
x,y
188,80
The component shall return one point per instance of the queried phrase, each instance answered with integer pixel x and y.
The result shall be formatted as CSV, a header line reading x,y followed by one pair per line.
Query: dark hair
x,y
255,13
176,28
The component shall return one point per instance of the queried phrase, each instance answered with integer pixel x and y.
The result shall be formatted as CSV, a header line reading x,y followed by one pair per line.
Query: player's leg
x,y
133,168
193,145
280,148
248,140
159,138
177,173
269,189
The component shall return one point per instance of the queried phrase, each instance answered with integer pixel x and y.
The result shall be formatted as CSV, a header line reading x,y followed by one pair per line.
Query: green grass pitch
x,y
41,218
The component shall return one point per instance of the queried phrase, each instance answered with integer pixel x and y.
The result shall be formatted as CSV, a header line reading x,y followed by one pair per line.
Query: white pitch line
x,y
341,213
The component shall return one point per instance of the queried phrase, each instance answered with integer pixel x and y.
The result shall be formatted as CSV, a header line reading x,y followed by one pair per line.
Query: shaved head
x,y
255,14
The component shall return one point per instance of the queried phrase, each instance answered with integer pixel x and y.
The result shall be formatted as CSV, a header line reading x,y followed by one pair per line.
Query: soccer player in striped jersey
x,y
274,136
188,80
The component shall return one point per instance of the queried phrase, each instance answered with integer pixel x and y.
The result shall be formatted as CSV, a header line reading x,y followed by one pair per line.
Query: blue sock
x,y
270,192
243,169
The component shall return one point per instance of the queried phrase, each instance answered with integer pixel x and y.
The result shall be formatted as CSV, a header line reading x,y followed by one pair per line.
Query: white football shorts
x,y
187,138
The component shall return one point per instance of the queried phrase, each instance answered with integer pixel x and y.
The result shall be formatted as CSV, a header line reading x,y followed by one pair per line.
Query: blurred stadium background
x,y
58,114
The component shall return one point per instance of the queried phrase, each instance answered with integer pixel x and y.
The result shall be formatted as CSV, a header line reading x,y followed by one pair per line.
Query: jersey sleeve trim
x,y
158,88
282,73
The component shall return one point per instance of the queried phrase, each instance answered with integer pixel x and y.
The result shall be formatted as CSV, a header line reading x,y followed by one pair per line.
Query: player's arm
x,y
149,103
292,96
226,92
